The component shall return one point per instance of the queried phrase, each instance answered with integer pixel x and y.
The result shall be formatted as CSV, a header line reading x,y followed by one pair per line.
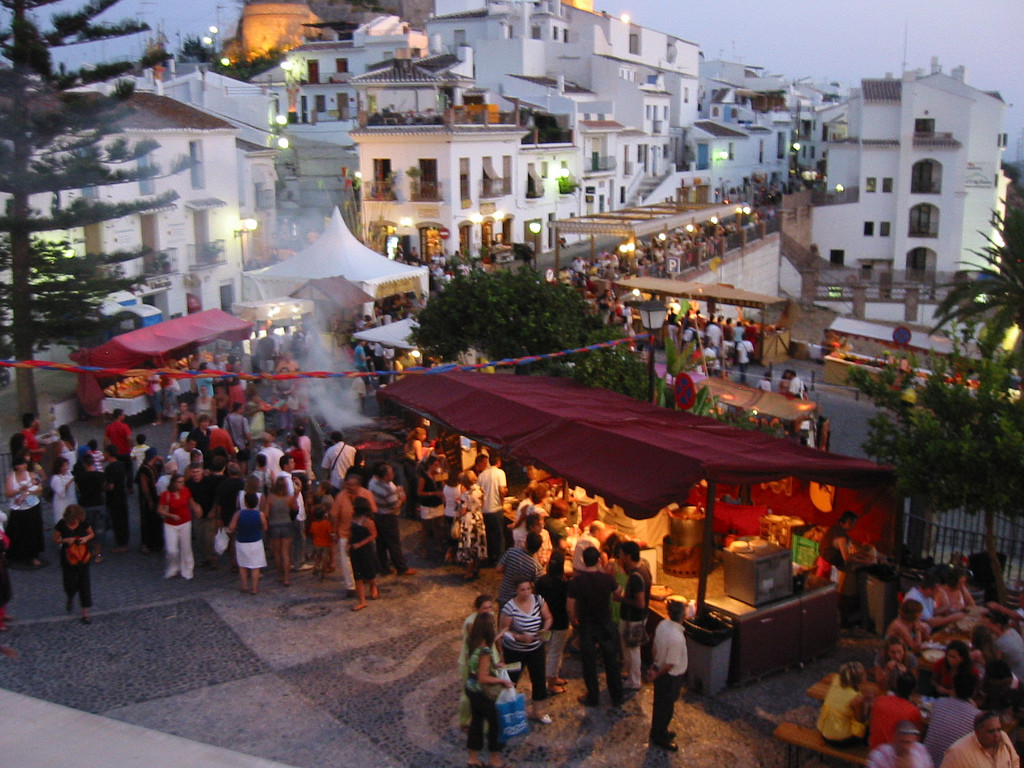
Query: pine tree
x,y
57,137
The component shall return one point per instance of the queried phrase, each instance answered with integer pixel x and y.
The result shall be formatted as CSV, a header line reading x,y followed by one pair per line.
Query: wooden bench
x,y
797,738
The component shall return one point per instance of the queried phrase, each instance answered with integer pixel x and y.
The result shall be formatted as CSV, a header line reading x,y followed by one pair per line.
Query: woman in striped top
x,y
524,628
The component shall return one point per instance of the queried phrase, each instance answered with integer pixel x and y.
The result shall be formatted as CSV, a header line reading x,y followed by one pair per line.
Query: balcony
x,y
425,191
206,255
160,263
379,190
470,114
925,187
930,140
657,127
834,197
490,188
923,230
600,163
548,135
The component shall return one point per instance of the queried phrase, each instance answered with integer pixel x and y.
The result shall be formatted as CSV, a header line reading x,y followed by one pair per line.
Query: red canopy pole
x,y
707,547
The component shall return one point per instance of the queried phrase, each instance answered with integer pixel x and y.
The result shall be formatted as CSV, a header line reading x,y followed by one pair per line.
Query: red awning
x,y
632,453
156,343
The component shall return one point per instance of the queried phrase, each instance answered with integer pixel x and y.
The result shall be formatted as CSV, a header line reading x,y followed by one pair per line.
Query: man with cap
x,y
904,751
987,746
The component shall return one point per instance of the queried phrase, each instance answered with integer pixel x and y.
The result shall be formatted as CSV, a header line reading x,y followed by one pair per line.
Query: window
x,y
313,71
459,37
924,221
554,34
926,178
924,125
732,151
760,151
565,35
837,256
686,95
917,258
320,103
887,184
870,184
634,43
464,192
341,66
535,32
195,157
869,229
884,228
147,186
343,108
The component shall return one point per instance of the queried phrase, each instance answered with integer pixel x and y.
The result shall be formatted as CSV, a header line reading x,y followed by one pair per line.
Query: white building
x,y
311,89
918,177
193,244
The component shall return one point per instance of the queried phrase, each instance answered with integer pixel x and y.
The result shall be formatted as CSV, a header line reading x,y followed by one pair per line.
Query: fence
x,y
944,536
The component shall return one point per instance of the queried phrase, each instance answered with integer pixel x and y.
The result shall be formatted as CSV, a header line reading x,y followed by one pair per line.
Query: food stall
x,y
841,358
642,459
154,346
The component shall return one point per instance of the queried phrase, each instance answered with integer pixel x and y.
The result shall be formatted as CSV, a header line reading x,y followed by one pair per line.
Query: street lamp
x,y
652,318
535,228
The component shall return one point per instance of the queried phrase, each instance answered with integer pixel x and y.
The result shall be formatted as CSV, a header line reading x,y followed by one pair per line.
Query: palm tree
x,y
994,292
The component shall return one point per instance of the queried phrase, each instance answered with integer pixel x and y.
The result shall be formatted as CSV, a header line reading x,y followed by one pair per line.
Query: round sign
x,y
901,334
686,391
444,233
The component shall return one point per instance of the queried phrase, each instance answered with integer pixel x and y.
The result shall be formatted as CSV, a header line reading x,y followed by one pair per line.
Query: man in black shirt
x,y
115,484
204,492
89,483
589,604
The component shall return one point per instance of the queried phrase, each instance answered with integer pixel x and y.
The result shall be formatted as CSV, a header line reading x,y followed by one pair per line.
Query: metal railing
x,y
944,536
379,190
601,163
425,191
495,187
202,255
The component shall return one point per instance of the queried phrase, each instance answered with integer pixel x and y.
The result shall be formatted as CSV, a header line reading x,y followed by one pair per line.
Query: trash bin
x,y
708,648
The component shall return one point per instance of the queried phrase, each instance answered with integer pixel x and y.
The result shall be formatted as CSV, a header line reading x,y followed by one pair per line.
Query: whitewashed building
x,y
916,178
193,245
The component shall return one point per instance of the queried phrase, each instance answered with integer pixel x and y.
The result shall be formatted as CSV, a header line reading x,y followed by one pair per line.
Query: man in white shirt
x,y
273,454
986,746
338,459
905,751
667,673
492,481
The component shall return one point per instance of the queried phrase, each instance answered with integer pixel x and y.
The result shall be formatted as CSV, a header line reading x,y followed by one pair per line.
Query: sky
x,y
846,41
820,39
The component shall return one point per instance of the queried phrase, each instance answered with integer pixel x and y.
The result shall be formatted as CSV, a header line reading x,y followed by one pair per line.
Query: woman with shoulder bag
x,y
72,534
524,628
429,482
482,688
25,515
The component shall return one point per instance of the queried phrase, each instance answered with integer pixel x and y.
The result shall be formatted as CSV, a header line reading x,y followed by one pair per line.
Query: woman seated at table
x,y
908,626
952,595
957,660
983,649
843,719
892,661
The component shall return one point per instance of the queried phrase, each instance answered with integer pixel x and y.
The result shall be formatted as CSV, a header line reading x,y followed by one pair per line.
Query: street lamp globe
x,y
652,314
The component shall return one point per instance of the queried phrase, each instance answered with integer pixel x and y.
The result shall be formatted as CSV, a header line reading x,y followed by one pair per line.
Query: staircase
x,y
647,185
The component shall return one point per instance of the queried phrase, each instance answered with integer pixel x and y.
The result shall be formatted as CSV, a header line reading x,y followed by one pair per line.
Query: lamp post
x,y
245,229
652,317
535,228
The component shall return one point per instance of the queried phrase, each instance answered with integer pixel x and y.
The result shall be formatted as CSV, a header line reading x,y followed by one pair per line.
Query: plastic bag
x,y
512,720
221,541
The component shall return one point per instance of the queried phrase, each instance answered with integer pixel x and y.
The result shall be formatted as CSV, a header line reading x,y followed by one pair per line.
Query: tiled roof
x,y
868,143
598,124
550,82
478,14
936,141
248,146
882,90
152,112
425,71
757,129
718,130
421,130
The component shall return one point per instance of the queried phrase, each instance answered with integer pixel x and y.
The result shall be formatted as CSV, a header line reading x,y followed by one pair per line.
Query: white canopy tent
x,y
394,334
337,252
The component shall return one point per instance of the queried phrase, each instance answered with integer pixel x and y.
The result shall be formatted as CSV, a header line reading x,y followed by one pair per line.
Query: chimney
x,y
561,83
935,69
959,73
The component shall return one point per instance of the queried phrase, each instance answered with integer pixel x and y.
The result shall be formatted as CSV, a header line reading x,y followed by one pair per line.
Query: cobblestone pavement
x,y
294,675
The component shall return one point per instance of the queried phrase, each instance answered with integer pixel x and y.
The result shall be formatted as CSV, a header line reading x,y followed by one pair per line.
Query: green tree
x,y
994,292
509,314
67,292
56,138
957,441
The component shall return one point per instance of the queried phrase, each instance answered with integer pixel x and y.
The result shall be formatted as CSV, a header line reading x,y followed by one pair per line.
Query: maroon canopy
x,y
632,453
155,343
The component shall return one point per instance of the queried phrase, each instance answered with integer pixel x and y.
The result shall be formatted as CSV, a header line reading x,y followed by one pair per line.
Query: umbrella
x,y
336,290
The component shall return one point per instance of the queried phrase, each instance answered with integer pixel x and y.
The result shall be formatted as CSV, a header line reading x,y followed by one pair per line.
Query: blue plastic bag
x,y
512,720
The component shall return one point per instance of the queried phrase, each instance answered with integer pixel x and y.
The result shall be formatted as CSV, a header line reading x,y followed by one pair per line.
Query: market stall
x,y
152,346
793,416
643,459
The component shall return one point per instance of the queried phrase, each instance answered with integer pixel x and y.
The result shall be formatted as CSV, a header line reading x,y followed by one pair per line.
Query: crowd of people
x,y
967,702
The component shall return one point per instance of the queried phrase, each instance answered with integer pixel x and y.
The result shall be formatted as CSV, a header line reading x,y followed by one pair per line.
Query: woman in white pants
x,y
177,508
